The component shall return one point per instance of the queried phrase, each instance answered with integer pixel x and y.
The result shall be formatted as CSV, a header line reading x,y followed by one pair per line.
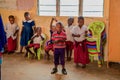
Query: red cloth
x,y
11,44
36,46
49,47
81,53
69,45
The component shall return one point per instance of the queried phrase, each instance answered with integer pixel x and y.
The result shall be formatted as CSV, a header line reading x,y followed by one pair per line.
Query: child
x,y
27,30
59,38
49,45
69,41
37,37
80,48
11,30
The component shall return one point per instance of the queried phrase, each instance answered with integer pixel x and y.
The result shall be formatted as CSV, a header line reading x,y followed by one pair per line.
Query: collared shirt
x,y
10,29
68,30
60,36
81,31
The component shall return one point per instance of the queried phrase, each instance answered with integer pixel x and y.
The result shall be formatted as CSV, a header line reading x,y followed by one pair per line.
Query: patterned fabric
x,y
60,36
92,48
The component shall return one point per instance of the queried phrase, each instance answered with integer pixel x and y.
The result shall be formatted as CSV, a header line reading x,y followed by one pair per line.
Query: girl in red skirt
x,y
80,48
11,30
69,41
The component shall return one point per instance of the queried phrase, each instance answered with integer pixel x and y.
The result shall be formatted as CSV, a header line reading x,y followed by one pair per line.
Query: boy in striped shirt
x,y
59,37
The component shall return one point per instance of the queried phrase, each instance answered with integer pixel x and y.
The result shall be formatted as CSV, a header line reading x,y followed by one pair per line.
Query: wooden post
x,y
57,7
80,7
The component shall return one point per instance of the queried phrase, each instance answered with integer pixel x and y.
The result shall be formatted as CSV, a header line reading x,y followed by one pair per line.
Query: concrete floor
x,y
16,67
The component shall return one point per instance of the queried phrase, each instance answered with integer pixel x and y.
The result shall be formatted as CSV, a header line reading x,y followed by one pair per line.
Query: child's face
x,y
27,17
58,27
53,28
39,31
12,20
80,22
70,21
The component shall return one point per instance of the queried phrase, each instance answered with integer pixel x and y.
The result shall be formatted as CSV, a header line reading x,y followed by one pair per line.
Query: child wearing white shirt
x,y
11,30
37,37
69,41
80,48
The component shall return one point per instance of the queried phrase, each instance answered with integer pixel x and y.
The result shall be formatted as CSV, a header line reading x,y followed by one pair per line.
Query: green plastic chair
x,y
40,50
96,28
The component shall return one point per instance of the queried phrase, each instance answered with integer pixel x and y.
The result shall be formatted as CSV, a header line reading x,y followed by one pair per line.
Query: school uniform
x,y
59,48
80,48
10,30
27,32
36,41
69,41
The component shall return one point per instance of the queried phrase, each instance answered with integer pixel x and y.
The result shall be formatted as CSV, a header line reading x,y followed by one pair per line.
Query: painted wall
x,y
114,32
45,21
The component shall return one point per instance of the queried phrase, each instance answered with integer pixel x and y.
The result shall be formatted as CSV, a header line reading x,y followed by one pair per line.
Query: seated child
x,y
49,45
36,38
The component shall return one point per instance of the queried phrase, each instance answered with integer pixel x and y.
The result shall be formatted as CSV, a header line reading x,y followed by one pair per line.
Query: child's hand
x,y
54,19
14,34
56,41
36,35
76,35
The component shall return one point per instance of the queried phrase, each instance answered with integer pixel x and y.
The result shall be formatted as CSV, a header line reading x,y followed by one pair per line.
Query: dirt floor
x,y
16,67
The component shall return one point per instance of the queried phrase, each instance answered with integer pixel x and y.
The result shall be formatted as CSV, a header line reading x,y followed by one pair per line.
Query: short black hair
x,y
26,14
60,23
71,18
80,17
11,16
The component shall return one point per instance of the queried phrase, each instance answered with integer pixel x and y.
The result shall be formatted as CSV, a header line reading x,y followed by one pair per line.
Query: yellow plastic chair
x,y
96,29
40,50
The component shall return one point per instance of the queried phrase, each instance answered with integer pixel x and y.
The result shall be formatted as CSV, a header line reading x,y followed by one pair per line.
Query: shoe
x,y
54,71
64,71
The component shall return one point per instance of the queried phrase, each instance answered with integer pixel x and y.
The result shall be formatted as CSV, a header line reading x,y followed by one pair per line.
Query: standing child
x,y
69,41
59,37
49,45
80,48
11,30
37,37
27,30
